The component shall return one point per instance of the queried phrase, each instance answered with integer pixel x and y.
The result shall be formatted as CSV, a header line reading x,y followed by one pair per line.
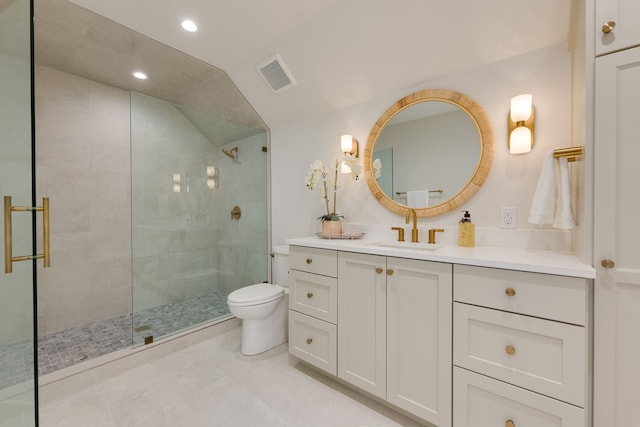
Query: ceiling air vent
x,y
276,74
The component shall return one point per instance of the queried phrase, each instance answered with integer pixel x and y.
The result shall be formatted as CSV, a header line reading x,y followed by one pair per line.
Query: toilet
x,y
263,307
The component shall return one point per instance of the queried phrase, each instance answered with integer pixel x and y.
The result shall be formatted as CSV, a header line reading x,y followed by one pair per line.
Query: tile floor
x,y
211,384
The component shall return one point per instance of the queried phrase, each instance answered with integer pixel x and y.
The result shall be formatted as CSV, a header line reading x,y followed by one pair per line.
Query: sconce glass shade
x,y
521,107
346,144
520,140
344,168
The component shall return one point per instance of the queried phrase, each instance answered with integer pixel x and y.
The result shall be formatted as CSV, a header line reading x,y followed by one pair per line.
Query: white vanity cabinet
x,y
313,300
625,14
520,349
394,331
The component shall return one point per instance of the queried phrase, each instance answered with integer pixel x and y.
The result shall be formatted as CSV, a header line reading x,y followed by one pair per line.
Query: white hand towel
x,y
418,199
543,203
564,214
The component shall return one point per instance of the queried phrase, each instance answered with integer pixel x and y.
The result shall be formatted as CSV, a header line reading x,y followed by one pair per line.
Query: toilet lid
x,y
256,294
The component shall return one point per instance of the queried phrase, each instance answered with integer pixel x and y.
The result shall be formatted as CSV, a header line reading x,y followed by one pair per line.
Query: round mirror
x,y
430,151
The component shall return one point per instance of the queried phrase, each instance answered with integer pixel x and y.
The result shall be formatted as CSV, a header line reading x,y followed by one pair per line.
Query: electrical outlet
x,y
508,217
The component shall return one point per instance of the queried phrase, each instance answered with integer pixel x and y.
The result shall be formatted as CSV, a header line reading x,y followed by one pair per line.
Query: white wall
x,y
545,73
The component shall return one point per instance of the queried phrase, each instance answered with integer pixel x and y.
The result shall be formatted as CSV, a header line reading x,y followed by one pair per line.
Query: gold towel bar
x,y
571,153
430,191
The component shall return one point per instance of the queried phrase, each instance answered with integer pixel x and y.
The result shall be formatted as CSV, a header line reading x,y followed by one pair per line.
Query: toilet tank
x,y
280,266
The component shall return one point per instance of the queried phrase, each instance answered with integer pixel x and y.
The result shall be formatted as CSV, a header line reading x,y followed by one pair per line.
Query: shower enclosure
x,y
18,385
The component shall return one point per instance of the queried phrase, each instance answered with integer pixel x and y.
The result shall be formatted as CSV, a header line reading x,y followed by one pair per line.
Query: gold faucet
x,y
432,234
414,231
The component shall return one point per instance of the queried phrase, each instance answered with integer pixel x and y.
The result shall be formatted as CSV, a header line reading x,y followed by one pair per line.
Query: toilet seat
x,y
260,293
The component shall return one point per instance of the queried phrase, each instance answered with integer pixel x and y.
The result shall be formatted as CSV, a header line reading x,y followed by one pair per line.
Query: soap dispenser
x,y
466,231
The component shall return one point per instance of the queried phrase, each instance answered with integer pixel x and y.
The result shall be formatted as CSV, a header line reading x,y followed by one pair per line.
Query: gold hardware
x,y
142,328
510,292
511,350
379,270
309,340
607,27
400,193
400,231
9,259
414,230
236,212
432,234
509,423
529,123
389,272
309,260
608,263
571,153
232,153
309,295
148,340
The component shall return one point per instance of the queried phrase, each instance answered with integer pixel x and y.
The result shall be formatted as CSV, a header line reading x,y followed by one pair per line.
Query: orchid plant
x,y
318,176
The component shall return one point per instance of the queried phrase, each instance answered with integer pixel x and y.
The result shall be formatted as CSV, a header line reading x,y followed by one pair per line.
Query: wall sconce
x,y
212,175
349,145
521,121
176,183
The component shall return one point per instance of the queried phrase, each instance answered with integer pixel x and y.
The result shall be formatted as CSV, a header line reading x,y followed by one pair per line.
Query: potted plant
x,y
318,174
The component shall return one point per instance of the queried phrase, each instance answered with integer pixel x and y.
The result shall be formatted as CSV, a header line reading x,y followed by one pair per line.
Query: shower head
x,y
232,153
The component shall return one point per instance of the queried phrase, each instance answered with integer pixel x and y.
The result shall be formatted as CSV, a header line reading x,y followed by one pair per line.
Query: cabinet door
x,y
362,336
419,295
626,16
616,237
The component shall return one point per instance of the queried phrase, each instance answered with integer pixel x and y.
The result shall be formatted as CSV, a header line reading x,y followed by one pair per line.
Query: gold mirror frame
x,y
485,131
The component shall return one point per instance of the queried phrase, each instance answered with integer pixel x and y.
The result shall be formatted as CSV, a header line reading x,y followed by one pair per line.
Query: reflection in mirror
x,y
434,148
438,146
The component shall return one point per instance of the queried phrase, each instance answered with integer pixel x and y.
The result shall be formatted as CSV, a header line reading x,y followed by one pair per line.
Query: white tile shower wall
x,y
82,158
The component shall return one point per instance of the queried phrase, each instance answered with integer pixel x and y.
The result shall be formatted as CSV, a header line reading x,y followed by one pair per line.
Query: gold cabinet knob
x,y
607,27
509,423
608,263
309,340
510,292
309,260
511,350
379,270
389,272
309,295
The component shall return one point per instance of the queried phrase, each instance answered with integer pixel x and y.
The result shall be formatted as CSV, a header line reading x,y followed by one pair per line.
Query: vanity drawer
x,y
541,355
479,401
313,341
542,295
313,260
314,295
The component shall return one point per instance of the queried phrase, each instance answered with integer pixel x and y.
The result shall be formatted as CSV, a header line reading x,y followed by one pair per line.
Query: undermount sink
x,y
409,245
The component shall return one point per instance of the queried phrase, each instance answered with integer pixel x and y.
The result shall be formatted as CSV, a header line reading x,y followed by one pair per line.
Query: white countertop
x,y
532,260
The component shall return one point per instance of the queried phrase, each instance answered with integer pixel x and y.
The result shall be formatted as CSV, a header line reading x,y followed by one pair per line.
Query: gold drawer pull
x,y
608,27
511,350
608,263
379,270
510,292
389,272
309,340
310,295
309,260
509,423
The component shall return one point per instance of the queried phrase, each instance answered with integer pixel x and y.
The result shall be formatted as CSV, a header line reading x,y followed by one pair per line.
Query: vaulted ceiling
x,y
342,52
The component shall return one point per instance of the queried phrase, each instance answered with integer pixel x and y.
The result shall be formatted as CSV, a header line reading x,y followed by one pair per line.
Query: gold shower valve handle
x,y
608,27
510,292
379,270
309,295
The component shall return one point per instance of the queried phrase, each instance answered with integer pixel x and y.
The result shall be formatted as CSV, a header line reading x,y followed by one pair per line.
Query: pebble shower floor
x,y
57,350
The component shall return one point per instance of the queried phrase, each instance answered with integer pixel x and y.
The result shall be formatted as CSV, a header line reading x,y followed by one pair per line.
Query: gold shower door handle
x,y
9,259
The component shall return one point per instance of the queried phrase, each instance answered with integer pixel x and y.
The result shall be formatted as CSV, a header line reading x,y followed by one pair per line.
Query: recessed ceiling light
x,y
189,25
140,75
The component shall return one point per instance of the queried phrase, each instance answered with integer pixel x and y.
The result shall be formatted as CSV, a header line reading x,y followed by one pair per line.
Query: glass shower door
x,y
18,385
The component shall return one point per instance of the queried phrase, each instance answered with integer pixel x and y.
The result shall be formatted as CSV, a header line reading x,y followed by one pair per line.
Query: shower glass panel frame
x,y
190,248
18,381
